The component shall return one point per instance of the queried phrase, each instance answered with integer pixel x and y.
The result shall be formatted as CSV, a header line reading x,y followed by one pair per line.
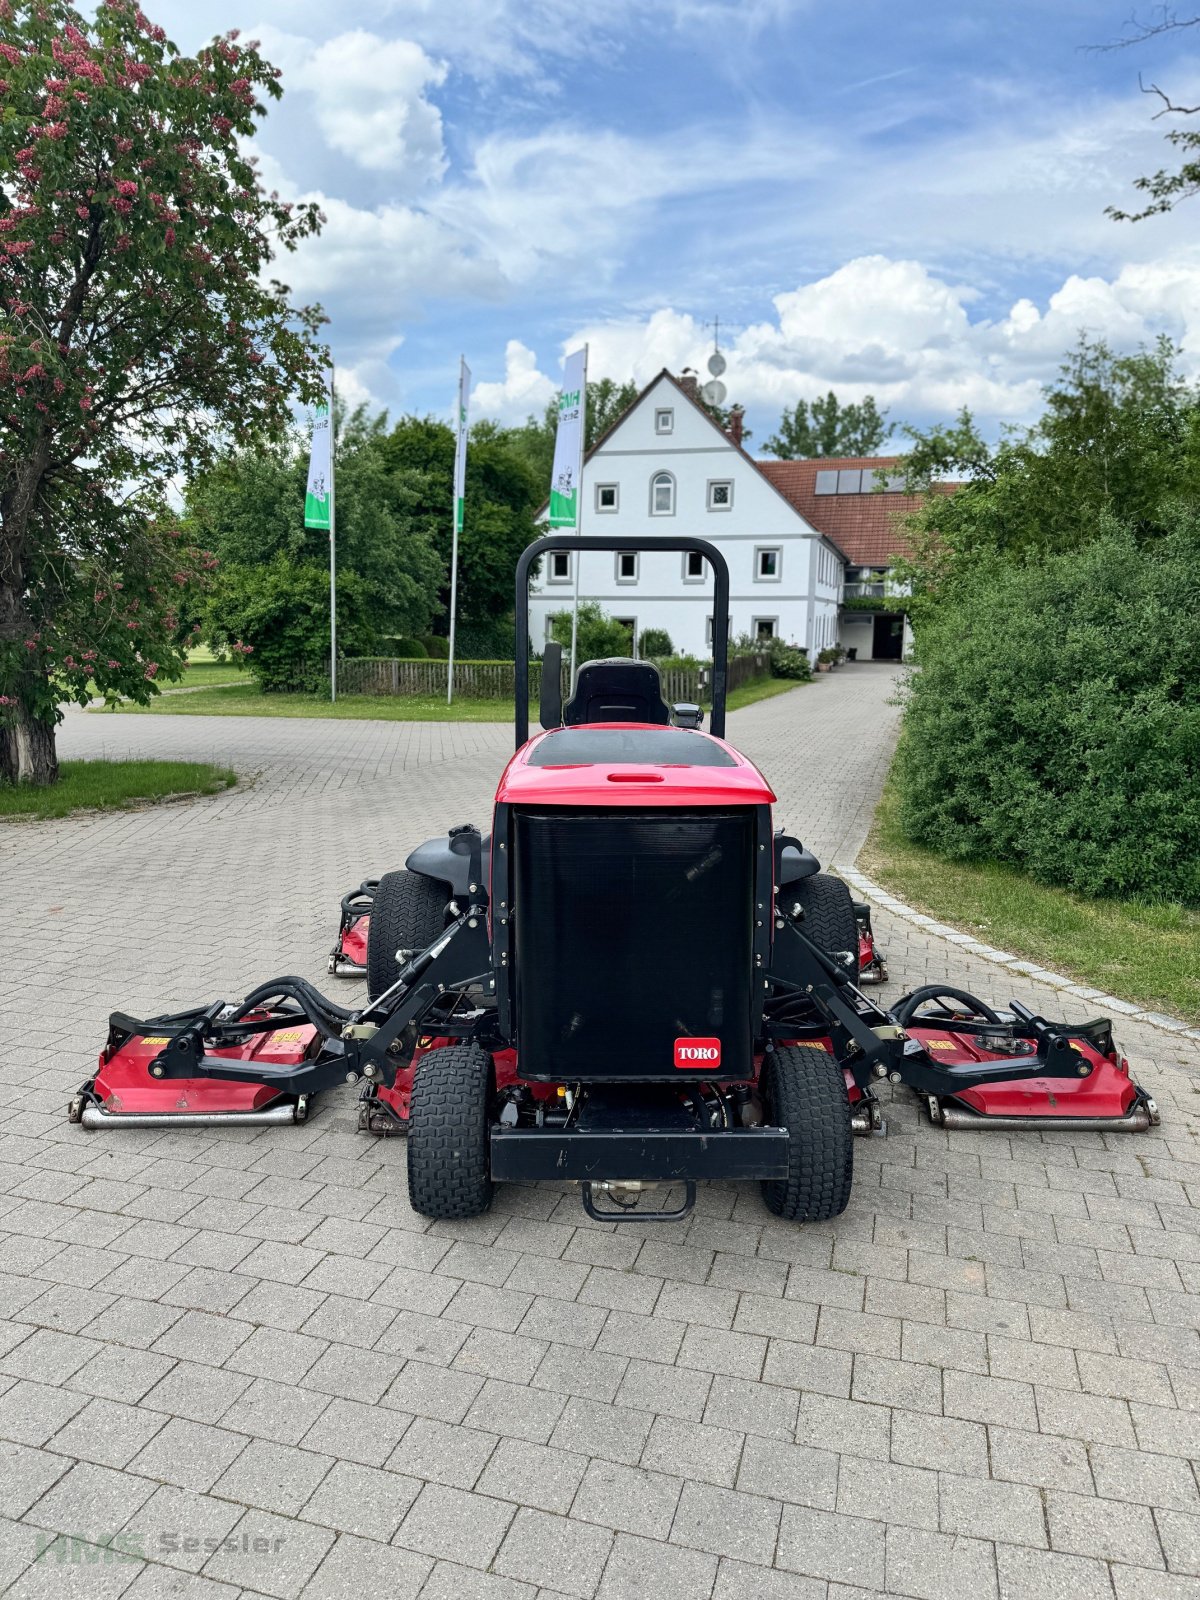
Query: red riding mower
x,y
348,958
872,968
632,982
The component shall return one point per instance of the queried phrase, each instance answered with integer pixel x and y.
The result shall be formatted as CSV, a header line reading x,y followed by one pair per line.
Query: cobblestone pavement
x,y
983,1380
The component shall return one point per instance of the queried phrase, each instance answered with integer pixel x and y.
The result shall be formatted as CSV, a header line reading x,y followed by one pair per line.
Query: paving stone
x,y
1047,1460
1083,1525
1046,1575
455,1525
822,1544
1087,1417
533,1475
274,1477
626,1333
990,1400
852,1426
1142,1478
27,1474
189,1454
946,1443
201,1394
737,1580
641,1567
516,1412
362,1569
1179,1532
795,1473
180,1528
451,1582
31,1413
90,1500
549,1550
107,1432
725,1522
276,1411
934,1566
611,1433
895,1494
361,1500
1009,1512
270,1555
694,1451
429,1391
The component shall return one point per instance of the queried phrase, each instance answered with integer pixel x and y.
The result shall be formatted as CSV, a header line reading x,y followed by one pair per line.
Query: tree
x,y
134,239
502,495
829,428
247,509
1164,189
1118,443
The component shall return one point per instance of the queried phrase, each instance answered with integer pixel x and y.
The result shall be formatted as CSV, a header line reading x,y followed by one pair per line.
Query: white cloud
x,y
899,331
371,99
523,390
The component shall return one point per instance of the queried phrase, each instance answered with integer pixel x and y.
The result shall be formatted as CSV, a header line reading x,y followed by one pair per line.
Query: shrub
x,y
281,613
409,649
436,648
828,656
599,634
655,643
789,661
1055,722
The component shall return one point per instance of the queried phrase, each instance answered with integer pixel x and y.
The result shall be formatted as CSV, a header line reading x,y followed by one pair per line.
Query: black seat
x,y
618,689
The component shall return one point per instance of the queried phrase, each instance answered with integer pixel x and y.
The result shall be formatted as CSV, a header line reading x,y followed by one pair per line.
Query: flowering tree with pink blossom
x,y
137,335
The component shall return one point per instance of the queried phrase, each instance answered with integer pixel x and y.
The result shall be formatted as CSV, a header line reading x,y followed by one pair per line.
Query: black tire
x,y
408,913
449,1152
829,919
804,1091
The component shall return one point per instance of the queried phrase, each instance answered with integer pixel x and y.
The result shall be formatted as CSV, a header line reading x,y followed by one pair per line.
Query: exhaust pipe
x,y
93,1116
1135,1121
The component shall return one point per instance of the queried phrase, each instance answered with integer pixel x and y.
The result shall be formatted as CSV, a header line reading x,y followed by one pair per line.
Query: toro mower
x,y
348,958
632,983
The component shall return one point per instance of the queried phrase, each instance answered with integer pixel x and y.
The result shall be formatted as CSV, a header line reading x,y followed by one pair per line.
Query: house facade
x,y
666,467
859,503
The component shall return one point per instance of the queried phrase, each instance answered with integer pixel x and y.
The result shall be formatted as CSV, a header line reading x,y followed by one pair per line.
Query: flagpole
x,y
458,510
578,515
332,555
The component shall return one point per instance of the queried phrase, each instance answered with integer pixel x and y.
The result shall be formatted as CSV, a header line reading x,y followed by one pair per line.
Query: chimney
x,y
734,432
690,384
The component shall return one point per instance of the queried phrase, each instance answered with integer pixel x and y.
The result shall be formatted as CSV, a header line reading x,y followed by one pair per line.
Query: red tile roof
x,y
866,526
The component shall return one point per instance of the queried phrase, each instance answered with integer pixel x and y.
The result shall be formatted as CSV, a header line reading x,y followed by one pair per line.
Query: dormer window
x,y
664,420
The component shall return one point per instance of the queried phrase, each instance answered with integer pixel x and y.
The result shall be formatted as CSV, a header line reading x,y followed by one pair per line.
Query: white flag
x,y
568,443
460,451
320,473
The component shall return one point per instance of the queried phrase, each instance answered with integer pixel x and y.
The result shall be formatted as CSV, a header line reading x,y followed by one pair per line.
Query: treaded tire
x,y
829,919
408,913
449,1153
804,1091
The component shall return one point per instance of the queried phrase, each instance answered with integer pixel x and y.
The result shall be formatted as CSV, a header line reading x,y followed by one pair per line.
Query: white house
x,y
666,467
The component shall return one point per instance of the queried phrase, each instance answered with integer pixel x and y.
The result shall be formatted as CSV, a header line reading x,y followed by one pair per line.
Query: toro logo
x,y
697,1053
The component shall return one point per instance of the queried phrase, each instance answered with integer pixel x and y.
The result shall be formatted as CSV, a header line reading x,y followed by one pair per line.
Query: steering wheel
x,y
968,1006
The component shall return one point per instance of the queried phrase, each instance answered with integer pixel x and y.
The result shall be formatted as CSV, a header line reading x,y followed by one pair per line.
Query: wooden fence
x,y
496,680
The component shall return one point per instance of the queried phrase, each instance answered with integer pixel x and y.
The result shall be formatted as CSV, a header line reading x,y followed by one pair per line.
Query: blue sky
x,y
902,200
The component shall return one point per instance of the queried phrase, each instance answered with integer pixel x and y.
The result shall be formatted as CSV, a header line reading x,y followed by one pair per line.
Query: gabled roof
x,y
758,466
867,526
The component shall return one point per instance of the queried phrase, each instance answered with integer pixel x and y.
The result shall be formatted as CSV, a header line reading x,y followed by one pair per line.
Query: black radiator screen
x,y
632,929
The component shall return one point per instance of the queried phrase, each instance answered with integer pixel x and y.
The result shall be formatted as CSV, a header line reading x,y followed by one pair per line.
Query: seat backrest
x,y
617,690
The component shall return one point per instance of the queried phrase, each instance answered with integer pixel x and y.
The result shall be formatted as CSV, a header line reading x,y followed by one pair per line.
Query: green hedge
x,y
1054,723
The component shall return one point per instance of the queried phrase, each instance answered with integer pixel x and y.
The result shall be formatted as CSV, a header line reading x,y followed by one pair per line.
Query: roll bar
x,y
681,542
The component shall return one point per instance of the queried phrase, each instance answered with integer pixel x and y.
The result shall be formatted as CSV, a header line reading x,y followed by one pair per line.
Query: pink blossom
x,y
124,146
82,212
169,237
151,670
113,665
11,54
127,186
7,700
131,625
55,130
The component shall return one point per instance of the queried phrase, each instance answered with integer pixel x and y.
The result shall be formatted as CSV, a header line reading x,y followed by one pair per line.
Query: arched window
x,y
662,495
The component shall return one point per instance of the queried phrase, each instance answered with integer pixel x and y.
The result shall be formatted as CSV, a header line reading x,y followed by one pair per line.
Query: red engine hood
x,y
637,783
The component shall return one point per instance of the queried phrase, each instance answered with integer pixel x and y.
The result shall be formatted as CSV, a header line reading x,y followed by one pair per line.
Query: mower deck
x,y
348,958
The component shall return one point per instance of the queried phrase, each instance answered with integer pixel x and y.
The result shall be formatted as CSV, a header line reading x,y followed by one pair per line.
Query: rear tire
x,y
408,913
804,1091
829,919
449,1150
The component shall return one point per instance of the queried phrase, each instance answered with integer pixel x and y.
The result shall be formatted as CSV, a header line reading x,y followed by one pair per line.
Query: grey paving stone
x,y
1142,1478
450,1582
610,1433
455,1525
796,1473
935,1566
626,1333
1179,1532
270,1555
182,1529
280,1412
1047,1460
515,1411
107,1432
895,1494
629,1499
756,1407
1008,1512
27,1474
362,1569
552,1551
1083,1525
533,1475
201,1394
189,1454
361,1500
640,1567
429,1391
31,1413
724,1522
944,1442
822,1544
90,1500
737,1580
851,1426
1046,1575
694,1451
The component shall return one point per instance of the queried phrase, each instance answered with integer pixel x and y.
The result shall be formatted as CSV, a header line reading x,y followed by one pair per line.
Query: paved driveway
x,y
983,1380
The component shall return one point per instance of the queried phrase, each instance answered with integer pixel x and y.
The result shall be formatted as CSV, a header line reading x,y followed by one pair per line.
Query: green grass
x,y
207,674
245,700
105,785
1140,951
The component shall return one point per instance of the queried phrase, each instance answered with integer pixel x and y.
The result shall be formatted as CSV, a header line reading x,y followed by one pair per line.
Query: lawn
x,y
1140,951
108,785
245,700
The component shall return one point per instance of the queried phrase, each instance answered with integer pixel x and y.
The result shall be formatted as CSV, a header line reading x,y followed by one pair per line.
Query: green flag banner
x,y
568,444
317,497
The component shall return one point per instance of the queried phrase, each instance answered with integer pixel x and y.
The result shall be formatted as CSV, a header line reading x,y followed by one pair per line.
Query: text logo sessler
x,y
693,1053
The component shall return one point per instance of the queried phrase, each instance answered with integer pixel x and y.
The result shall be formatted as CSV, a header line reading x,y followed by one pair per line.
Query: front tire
x,y
829,919
449,1147
408,913
803,1090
